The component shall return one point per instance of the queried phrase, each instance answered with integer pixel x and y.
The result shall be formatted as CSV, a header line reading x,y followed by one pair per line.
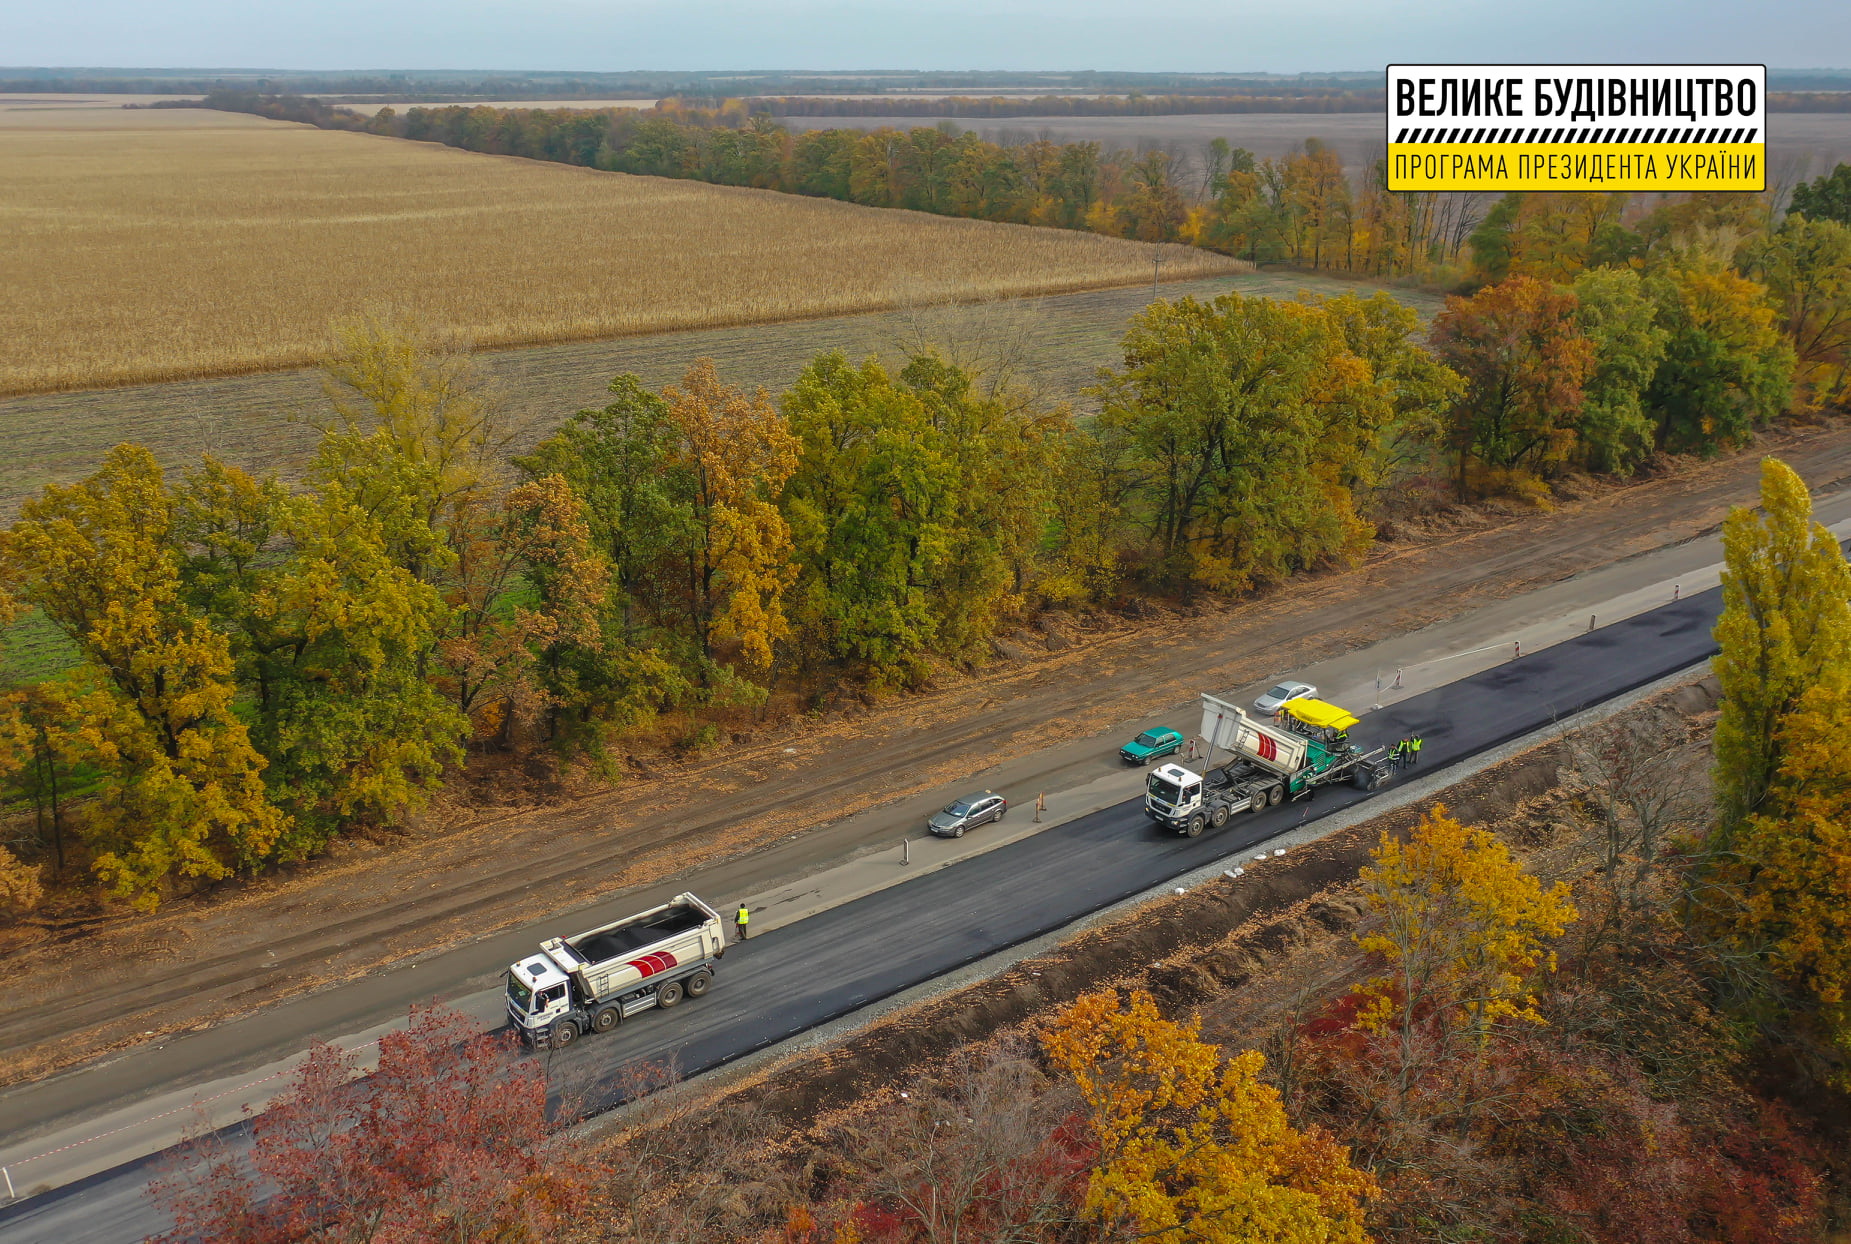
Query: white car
x,y
1269,703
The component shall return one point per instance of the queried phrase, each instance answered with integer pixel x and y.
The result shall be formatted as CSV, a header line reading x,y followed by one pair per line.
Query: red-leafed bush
x,y
446,1141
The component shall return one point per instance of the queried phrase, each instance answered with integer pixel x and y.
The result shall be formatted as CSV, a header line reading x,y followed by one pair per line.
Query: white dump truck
x,y
1268,763
595,980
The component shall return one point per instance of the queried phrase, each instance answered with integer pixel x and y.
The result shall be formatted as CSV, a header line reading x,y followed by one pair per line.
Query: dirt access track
x,y
367,906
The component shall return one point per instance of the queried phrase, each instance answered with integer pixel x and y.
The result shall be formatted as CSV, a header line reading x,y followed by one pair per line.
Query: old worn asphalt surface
x,y
823,967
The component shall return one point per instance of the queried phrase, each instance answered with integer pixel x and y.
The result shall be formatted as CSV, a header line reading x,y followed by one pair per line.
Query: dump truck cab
x,y
538,993
1172,792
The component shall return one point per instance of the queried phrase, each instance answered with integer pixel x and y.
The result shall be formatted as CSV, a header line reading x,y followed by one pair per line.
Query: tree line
x,y
1131,104
1301,209
262,666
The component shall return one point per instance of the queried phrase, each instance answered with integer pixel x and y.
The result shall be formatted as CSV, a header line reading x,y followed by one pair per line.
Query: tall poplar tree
x,y
1785,626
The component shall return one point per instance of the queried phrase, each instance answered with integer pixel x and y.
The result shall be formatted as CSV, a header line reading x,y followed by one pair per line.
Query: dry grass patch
x,y
161,245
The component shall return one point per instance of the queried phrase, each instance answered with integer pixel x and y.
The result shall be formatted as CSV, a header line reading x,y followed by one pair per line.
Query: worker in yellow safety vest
x,y
1414,750
741,919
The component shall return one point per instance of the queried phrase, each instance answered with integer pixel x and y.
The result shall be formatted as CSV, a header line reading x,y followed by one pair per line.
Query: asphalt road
x,y
823,967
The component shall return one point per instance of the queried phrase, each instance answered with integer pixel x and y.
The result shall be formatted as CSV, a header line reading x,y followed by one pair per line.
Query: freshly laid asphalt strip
x,y
818,969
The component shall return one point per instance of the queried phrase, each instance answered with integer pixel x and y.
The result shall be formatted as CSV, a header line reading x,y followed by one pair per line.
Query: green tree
x,y
639,516
1247,416
1726,369
821,163
1825,198
639,508
1785,628
1551,236
1248,215
867,509
1002,448
1074,187
1613,311
1087,529
332,638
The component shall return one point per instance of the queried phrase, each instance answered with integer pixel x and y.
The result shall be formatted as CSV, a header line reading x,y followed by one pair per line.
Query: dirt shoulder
x,y
469,871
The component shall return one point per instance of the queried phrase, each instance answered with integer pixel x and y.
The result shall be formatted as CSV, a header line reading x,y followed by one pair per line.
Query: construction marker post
x,y
1590,621
1516,646
1675,589
10,1194
906,851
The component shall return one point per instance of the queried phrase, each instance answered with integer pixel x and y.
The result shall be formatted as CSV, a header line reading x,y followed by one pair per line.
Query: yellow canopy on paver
x,y
1321,714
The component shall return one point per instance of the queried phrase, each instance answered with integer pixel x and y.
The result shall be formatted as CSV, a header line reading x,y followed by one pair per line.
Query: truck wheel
x,y
606,1019
1276,796
1219,816
669,994
1195,826
565,1032
697,984
1257,801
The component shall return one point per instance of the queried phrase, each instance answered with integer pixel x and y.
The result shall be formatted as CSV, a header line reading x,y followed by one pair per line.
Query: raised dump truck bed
x,y
1267,764
1227,727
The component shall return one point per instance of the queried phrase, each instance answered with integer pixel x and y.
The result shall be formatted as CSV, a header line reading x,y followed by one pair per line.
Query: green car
x,y
1148,746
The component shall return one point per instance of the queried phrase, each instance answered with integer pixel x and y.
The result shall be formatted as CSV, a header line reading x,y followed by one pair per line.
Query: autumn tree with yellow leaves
x,y
1795,853
1195,1146
183,791
736,451
431,404
1785,629
1783,770
1461,925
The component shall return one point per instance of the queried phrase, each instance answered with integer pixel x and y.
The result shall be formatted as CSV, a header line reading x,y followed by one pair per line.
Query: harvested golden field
x,y
152,245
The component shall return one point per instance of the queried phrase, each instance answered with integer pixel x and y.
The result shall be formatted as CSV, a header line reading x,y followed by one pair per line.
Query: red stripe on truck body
x,y
649,965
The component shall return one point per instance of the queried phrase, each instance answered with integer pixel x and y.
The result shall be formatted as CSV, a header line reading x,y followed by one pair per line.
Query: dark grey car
x,y
961,814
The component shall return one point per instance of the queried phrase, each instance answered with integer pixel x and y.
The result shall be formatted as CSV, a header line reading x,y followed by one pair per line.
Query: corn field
x,y
159,245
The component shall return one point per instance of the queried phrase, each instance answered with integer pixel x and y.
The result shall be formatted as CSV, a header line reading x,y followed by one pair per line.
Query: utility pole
x,y
1156,262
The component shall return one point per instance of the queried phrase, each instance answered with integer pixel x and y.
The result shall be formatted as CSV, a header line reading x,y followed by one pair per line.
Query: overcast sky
x,y
1139,35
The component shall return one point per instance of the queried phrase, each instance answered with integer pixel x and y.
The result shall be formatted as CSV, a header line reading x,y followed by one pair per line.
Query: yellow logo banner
x,y
1577,127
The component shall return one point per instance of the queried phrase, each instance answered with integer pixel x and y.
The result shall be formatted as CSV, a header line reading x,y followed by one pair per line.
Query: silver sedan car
x,y
1269,703
966,812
